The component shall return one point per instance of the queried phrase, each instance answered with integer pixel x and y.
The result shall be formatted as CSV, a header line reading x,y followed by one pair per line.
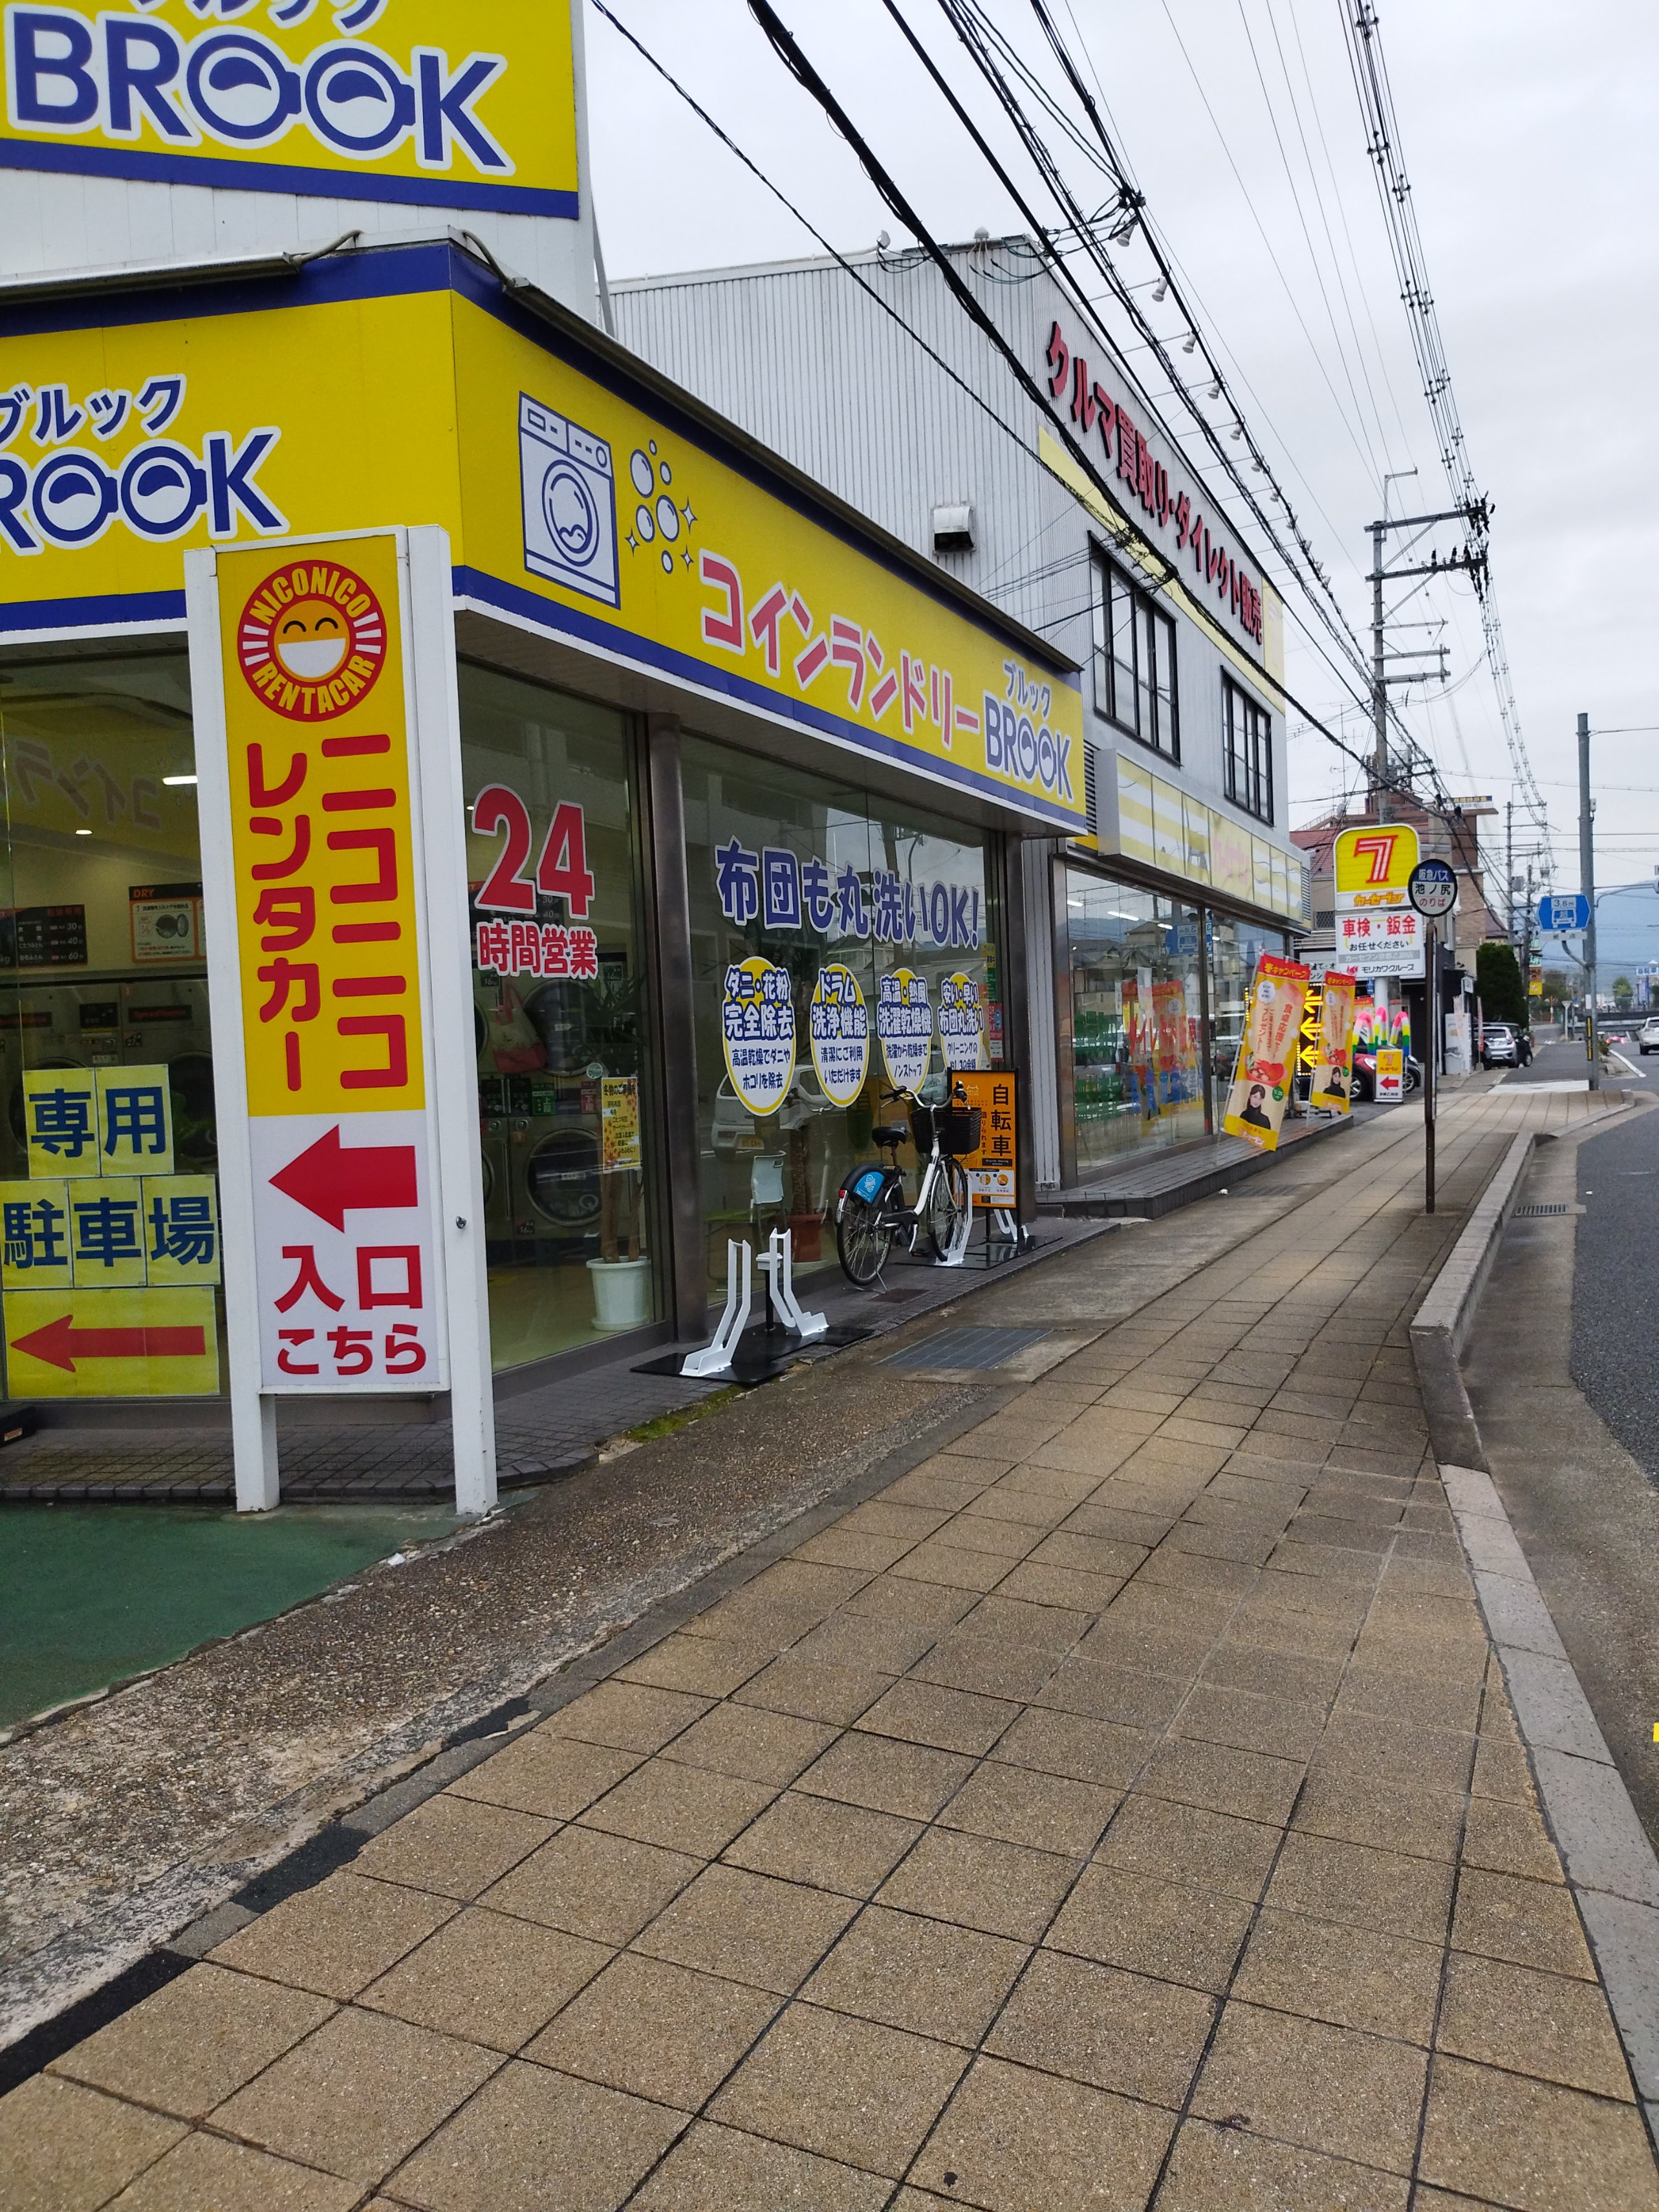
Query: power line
x,y
1363,37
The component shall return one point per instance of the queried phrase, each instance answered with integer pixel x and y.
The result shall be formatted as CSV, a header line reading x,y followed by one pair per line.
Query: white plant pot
x,y
622,1292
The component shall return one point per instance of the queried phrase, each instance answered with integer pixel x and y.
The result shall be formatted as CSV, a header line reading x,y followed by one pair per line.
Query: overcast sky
x,y
1528,135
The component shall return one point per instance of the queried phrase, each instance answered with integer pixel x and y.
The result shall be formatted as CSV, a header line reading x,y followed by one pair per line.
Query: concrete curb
x,y
1611,1866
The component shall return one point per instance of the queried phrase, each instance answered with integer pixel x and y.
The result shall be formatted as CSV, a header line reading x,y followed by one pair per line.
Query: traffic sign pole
x,y
1433,891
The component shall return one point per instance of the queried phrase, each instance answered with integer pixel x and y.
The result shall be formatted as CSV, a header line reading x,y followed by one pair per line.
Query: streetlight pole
x,y
1586,884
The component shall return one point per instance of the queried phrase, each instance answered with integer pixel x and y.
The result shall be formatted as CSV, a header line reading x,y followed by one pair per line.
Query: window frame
x,y
1247,752
1124,614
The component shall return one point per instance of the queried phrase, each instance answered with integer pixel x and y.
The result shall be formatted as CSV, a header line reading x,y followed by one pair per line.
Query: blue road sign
x,y
1565,911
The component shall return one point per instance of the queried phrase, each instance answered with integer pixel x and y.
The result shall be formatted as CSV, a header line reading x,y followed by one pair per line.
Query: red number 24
x,y
561,871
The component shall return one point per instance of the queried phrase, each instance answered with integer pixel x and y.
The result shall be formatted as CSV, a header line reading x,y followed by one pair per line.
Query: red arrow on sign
x,y
60,1344
329,1181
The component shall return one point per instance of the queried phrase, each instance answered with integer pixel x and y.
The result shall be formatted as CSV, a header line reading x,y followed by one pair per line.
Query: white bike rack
x,y
779,1262
956,1250
715,1359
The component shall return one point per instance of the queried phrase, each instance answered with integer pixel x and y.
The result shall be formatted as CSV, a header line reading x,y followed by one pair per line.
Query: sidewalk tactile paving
x,y
1121,1811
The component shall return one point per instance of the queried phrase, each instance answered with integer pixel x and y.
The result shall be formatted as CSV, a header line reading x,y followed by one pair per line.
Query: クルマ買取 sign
x,y
408,101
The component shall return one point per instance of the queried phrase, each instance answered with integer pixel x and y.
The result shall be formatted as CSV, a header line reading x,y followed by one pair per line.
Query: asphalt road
x,y
1615,1284
1562,1379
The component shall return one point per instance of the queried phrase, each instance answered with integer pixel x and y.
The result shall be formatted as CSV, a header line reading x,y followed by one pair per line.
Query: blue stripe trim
x,y
435,191
558,620
389,272
107,612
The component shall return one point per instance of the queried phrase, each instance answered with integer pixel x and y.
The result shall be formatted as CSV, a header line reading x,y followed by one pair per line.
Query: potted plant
x,y
621,1284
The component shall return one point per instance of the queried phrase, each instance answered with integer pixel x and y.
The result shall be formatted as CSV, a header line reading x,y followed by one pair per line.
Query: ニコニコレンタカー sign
x,y
404,100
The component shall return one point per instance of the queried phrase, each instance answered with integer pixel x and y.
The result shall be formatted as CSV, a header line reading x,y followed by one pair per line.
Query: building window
x,y
1249,758
1135,655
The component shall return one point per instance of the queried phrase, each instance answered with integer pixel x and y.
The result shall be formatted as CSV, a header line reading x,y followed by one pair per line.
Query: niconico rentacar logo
x,y
312,640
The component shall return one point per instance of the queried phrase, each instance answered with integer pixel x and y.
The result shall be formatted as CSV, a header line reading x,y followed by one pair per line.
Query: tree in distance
x,y
1500,985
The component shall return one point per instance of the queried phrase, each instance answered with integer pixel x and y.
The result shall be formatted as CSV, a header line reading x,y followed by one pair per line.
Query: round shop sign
x,y
905,1023
312,640
840,1034
1432,888
960,1030
757,1028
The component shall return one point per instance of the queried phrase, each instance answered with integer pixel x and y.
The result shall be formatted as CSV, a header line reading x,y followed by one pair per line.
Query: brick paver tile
x,y
980,1881
948,1720
1355,1807
1224,2169
752,1743
335,1939
656,2030
1095,2023
887,1775
204,2174
185,2049
487,1978
1015,2140
1329,2090
1223,1779
1369,1889
358,2095
860,1640
987,1666
1531,1924
604,1887
553,1775
822,1842
716,2169
65,2148
1510,1839
815,1689
1350,1977
749,1928
926,1975
533,2138
452,1846
1122,1695
685,1808
1183,1843
1547,2025
1152,1927
627,1715
1534,2146
846,2089
1049,1812
701,1664
1073,1744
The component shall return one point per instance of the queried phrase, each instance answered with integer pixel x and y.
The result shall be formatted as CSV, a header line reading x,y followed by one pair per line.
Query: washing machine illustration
x,y
569,503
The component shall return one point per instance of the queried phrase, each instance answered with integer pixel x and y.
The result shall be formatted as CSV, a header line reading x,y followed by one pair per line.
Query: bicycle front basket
x,y
958,1128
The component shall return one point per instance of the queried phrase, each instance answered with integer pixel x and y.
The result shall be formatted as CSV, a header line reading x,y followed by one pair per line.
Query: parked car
x,y
1365,1075
1647,1038
1500,1046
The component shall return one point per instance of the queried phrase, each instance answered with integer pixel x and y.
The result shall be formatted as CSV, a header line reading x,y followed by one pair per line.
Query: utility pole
x,y
1508,866
1379,678
1586,884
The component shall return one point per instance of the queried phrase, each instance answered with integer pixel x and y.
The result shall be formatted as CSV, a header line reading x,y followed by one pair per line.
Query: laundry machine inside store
x,y
540,1143
165,1022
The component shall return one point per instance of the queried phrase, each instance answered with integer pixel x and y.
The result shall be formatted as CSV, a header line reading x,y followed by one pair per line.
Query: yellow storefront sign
x,y
1166,828
1373,865
317,733
111,1344
415,101
577,501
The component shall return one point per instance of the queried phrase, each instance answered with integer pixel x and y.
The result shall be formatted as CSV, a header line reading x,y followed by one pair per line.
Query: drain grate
x,y
1535,1213
967,1348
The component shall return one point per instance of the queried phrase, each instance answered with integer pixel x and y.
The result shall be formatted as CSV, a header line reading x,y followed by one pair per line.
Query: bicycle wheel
x,y
862,1242
948,1203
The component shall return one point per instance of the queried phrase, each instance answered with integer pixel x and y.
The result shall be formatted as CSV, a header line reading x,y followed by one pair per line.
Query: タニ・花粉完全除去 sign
x,y
403,101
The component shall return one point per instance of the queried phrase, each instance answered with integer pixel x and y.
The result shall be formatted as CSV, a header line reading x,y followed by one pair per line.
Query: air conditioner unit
x,y
953,529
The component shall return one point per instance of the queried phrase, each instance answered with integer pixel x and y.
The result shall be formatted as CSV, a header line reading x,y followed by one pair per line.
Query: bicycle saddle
x,y
892,1133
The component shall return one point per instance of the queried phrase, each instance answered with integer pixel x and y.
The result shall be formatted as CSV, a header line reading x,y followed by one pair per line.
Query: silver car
x,y
1647,1038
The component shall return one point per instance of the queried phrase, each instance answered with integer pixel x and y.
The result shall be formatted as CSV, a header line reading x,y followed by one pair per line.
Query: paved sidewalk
x,y
1124,1808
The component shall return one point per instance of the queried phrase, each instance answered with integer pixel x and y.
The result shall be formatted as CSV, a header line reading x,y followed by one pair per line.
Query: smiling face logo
x,y
312,640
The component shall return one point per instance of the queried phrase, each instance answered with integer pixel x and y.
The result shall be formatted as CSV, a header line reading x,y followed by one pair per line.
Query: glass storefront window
x,y
822,917
1136,1019
559,1015
108,1150
1235,948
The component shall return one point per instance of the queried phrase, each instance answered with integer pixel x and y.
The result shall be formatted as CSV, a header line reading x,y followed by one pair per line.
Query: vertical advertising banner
x,y
1332,1073
1266,1059
327,871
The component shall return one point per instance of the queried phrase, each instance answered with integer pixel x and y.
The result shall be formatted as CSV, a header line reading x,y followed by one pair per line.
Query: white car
x,y
1647,1036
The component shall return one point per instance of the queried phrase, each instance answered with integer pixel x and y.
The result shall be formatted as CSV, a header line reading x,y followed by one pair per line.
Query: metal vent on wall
x,y
1091,798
